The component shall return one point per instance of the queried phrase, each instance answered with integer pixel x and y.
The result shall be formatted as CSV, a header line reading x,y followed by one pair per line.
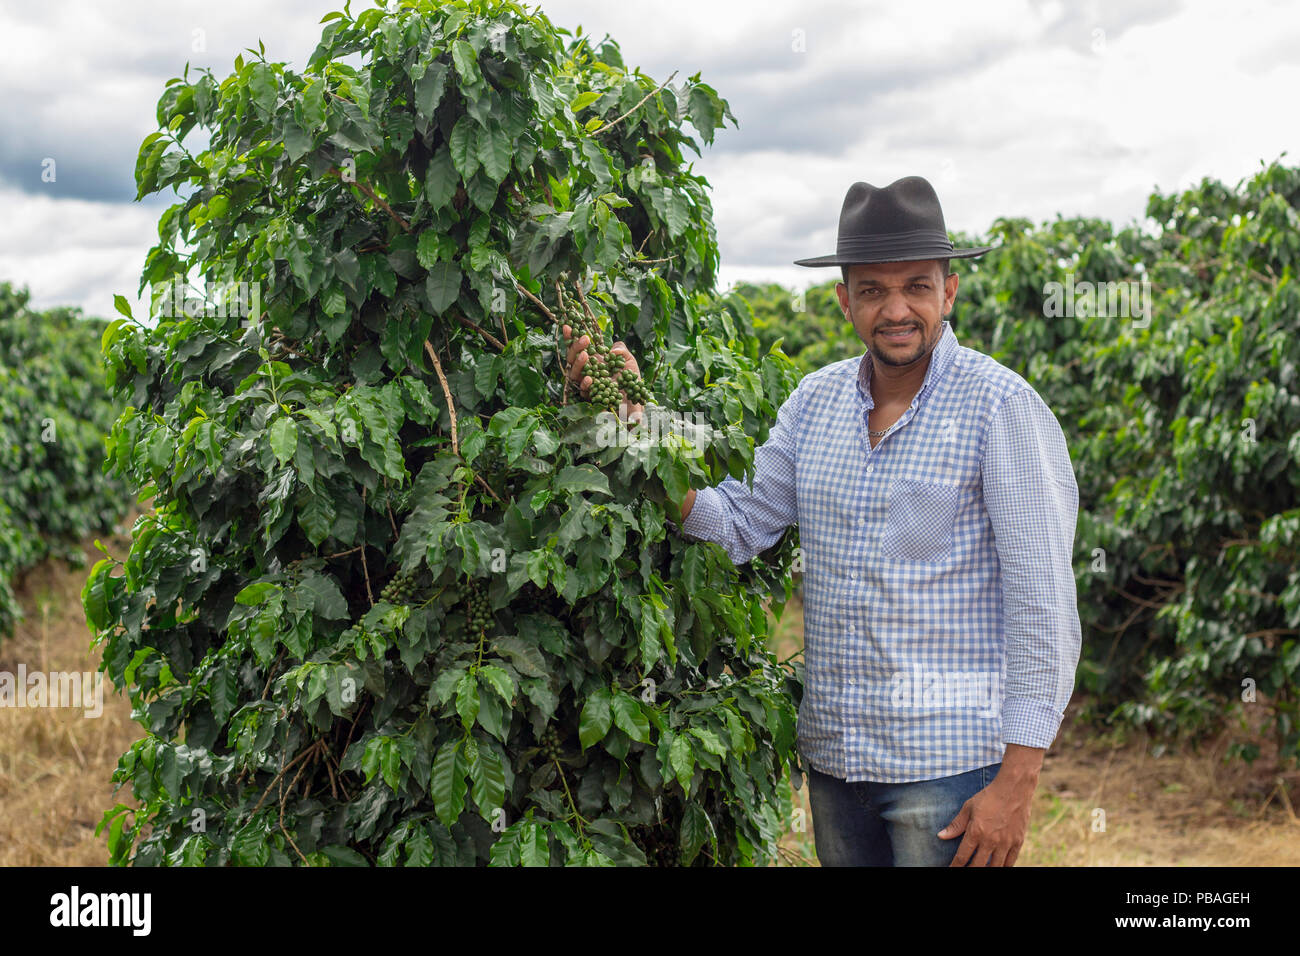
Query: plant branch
x,y
374,196
536,301
365,565
284,796
488,488
613,123
283,770
469,323
446,392
340,554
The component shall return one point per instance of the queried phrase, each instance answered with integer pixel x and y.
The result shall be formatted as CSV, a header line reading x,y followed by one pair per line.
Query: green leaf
x,y
472,443
489,779
712,743
525,657
223,695
682,761
524,384
467,702
370,760
464,146
495,149
94,594
440,180
596,718
629,717
499,681
651,627
447,783
445,684
583,100
696,830
256,593
429,88
533,846
538,567
316,516
263,85
391,764
326,598
574,478
466,60
284,438
343,856
426,251
419,848
483,191
442,286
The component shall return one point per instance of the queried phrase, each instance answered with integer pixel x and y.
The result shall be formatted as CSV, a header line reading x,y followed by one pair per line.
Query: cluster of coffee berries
x,y
551,743
607,388
478,608
400,589
637,391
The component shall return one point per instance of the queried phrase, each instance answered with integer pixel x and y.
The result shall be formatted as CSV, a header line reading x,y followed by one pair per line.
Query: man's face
x,y
897,308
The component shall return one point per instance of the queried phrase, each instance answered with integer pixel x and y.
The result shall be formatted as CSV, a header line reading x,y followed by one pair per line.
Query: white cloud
x,y
75,252
1011,108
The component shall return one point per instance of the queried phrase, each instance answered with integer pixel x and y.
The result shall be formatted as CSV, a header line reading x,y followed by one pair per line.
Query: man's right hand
x,y
631,413
577,359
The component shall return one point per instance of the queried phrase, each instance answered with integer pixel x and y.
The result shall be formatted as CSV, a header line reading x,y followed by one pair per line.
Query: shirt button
x,y
870,469
853,575
861,522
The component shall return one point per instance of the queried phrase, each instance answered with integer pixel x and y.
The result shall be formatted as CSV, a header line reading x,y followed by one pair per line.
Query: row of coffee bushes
x,y
54,415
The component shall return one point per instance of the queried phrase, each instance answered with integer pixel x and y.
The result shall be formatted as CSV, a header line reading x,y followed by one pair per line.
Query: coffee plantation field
x,y
395,593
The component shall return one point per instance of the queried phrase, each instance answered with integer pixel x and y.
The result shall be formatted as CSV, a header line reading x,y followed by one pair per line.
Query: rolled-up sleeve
x,y
746,521
1032,500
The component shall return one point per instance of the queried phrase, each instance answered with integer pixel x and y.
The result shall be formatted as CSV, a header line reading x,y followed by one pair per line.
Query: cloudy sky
x,y
1010,107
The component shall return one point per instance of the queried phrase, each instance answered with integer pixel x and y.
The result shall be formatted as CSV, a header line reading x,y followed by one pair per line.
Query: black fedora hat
x,y
900,223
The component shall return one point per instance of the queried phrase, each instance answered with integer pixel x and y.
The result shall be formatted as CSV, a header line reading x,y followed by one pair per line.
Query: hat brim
x,y
836,260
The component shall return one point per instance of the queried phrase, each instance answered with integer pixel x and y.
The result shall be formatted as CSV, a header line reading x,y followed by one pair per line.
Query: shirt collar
x,y
940,358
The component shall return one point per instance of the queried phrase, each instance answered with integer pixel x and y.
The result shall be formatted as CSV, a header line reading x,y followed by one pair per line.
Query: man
x,y
936,507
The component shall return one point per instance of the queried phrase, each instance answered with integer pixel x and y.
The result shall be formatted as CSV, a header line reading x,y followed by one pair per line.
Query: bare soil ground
x,y
56,764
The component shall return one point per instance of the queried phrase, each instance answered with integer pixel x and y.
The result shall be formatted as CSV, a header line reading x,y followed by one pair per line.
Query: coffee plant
x,y
403,595
53,418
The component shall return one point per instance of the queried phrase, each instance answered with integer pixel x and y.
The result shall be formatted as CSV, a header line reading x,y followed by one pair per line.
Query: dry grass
x,y
56,764
1187,807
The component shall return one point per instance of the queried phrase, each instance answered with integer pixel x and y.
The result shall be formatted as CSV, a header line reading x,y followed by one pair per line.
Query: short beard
x,y
923,349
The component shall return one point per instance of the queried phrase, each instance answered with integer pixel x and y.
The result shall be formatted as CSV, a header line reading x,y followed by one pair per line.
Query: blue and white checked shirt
x,y
940,614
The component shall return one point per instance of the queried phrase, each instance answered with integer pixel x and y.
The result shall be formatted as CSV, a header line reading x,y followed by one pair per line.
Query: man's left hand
x,y
996,820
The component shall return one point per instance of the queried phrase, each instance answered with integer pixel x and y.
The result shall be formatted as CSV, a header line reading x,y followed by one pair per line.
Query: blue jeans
x,y
889,824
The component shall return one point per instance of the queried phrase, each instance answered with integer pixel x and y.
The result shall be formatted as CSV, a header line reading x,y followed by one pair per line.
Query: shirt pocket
x,y
919,525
